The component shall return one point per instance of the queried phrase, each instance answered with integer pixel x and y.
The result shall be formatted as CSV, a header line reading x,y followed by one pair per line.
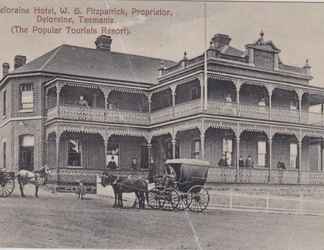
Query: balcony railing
x,y
98,115
222,108
183,110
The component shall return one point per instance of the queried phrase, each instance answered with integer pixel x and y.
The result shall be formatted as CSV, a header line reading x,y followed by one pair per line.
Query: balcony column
x,y
173,93
322,157
270,91
202,145
57,154
205,81
149,99
300,144
174,142
106,93
238,84
201,82
58,91
300,98
270,159
149,155
237,158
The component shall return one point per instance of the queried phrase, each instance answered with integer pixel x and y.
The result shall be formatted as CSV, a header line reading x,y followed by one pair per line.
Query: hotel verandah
x,y
141,111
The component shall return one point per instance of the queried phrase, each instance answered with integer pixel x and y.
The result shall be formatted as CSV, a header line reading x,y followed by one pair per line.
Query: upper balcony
x,y
225,98
91,104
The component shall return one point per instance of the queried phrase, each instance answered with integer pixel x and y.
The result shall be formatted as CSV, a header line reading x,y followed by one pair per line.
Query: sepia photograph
x,y
190,125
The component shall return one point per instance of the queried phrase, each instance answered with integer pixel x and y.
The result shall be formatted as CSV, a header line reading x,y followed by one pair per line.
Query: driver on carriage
x,y
169,176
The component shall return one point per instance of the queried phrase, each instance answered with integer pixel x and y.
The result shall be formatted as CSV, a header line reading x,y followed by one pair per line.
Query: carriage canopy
x,y
189,172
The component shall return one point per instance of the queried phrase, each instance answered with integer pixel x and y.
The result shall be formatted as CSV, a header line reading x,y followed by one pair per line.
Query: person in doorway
x,y
241,162
112,164
249,162
222,162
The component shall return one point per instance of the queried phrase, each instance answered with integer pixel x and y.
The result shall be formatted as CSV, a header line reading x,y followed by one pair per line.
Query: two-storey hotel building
x,y
76,109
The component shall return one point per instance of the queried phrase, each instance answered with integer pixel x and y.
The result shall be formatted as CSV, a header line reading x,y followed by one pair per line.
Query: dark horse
x,y
37,178
126,184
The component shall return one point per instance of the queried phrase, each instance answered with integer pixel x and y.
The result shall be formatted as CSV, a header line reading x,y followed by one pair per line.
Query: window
x,y
4,151
4,103
26,96
74,153
194,93
293,155
227,150
195,152
262,152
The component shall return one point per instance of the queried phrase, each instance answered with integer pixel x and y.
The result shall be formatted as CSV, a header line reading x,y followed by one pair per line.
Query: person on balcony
x,y
228,98
261,102
241,162
249,162
281,165
134,164
293,105
83,102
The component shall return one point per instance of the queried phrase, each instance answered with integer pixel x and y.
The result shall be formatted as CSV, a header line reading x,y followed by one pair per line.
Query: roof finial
x,y
262,33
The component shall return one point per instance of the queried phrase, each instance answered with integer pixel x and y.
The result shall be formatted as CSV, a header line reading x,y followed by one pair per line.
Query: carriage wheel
x,y
7,187
198,198
154,199
171,199
183,201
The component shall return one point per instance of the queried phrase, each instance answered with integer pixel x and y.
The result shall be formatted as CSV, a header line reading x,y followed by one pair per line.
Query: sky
x,y
295,28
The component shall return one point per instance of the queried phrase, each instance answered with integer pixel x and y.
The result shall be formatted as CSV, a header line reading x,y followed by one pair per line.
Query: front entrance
x,y
26,152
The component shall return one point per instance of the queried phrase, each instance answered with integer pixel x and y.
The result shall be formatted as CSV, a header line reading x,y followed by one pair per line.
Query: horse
x,y
37,178
126,184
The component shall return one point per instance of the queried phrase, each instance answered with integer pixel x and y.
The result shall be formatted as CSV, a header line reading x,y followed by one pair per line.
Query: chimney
x,y
5,69
307,68
103,42
220,40
19,61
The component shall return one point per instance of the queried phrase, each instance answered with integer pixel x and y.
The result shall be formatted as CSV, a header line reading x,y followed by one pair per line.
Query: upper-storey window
x,y
4,103
194,93
26,96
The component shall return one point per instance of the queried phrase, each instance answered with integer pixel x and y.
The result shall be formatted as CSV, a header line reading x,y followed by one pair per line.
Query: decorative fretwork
x,y
220,124
285,130
254,128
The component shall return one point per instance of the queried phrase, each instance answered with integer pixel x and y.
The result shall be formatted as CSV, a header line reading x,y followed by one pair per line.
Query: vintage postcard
x,y
161,125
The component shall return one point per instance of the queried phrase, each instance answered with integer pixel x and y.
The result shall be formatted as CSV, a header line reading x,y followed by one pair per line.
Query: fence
x,y
266,202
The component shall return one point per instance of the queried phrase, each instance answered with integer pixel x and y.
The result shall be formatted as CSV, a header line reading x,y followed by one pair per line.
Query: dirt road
x,y
60,220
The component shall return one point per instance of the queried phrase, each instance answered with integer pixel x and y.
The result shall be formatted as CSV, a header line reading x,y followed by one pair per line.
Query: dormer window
x,y
26,97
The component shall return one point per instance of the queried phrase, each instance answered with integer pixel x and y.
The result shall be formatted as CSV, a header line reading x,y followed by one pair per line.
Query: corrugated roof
x,y
87,62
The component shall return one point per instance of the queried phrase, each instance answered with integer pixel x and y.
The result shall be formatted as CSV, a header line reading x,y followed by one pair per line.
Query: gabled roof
x,y
96,63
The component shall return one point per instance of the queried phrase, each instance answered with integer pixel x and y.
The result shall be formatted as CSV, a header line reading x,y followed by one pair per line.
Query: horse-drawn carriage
x,y
7,183
182,186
